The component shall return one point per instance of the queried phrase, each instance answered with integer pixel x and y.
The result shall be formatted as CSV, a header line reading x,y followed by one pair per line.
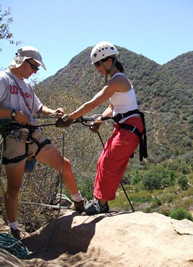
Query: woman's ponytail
x,y
117,64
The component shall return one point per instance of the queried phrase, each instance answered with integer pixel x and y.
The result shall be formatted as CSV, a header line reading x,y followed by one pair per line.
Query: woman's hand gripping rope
x,y
64,121
94,127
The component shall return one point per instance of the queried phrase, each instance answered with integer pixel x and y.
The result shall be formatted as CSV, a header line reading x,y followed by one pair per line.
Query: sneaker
x,y
78,206
95,208
15,233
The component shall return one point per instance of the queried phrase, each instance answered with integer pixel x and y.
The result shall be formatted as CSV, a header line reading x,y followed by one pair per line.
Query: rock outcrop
x,y
115,239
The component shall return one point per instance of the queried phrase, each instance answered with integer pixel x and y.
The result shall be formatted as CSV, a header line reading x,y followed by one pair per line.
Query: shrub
x,y
183,182
158,177
136,177
180,214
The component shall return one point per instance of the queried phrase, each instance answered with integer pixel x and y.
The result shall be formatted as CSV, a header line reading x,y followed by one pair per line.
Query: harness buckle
x,y
134,128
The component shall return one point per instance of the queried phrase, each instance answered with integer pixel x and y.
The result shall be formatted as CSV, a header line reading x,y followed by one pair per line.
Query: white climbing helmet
x,y
102,50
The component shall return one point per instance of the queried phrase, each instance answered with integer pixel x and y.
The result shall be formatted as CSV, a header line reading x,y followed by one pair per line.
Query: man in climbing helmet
x,y
122,143
19,102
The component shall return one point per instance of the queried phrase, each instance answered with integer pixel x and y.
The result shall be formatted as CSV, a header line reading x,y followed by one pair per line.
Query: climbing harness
x,y
9,126
14,246
142,136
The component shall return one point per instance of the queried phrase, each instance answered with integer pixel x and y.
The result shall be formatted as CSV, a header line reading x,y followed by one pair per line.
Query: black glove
x,y
64,121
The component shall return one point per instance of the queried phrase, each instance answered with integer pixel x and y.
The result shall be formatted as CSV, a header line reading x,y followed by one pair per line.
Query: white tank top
x,y
123,101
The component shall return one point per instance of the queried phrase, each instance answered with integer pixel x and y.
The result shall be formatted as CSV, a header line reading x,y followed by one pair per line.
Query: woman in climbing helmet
x,y
123,142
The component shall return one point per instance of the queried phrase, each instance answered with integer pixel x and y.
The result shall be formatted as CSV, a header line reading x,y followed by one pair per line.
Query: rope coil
x,y
14,246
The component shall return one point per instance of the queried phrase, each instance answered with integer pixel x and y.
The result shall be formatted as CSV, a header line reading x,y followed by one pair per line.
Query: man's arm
x,y
48,111
19,117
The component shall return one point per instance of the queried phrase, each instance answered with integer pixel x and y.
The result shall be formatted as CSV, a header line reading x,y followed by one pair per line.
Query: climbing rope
x,y
14,246
60,200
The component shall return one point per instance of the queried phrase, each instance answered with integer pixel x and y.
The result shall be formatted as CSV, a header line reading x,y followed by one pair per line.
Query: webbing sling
x,y
20,158
121,116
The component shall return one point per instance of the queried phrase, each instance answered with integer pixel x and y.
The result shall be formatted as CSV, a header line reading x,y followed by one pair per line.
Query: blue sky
x,y
60,29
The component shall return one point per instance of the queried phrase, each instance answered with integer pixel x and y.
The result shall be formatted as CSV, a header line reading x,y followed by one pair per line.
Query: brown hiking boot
x,y
78,206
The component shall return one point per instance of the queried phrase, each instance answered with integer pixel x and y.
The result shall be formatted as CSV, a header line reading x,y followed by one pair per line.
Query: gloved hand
x,y
96,124
94,127
64,121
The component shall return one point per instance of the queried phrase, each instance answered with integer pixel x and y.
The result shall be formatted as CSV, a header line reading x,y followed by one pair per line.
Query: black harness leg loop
x,y
40,145
20,158
142,136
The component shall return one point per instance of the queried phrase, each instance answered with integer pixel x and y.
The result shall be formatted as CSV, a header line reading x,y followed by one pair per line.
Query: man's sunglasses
x,y
33,66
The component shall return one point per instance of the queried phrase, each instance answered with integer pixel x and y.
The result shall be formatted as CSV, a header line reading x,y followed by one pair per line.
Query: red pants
x,y
114,159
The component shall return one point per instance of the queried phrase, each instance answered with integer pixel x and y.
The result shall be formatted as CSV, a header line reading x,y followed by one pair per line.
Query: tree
x,y
158,177
5,21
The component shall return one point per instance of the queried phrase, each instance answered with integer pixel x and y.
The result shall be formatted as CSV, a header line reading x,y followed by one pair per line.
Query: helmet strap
x,y
108,70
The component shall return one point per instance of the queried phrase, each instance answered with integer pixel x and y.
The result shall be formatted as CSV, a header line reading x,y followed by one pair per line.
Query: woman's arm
x,y
108,112
97,100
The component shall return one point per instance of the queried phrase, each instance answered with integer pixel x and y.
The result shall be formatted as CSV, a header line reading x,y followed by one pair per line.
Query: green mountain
x,y
164,93
182,66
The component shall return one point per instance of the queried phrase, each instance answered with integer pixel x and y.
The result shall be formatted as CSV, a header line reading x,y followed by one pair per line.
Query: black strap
x,y
14,160
40,145
20,158
121,116
142,136
142,139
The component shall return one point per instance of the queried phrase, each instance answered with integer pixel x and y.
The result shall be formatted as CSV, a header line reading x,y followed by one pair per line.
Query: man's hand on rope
x,y
59,112
64,121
